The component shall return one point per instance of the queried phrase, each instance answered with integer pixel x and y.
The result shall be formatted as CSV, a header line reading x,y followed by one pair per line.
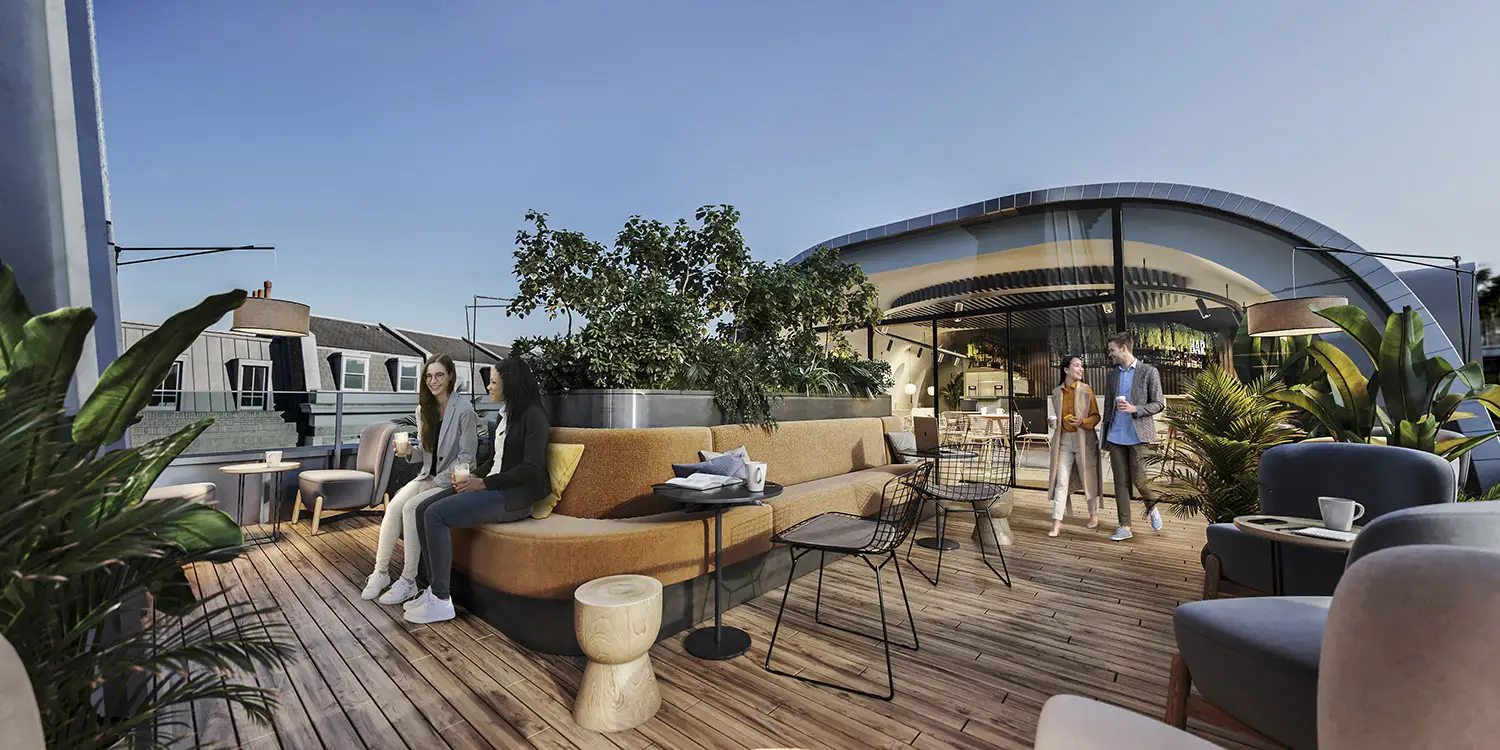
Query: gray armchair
x,y
1292,477
325,490
1432,683
1255,660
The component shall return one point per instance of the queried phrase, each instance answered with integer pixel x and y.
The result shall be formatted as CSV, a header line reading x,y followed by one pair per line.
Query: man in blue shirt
x,y
1133,398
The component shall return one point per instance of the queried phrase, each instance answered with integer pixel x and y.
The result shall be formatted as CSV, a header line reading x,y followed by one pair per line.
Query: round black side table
x,y
717,642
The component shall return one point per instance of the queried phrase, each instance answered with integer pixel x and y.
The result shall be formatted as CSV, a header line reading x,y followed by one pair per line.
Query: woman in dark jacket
x,y
517,480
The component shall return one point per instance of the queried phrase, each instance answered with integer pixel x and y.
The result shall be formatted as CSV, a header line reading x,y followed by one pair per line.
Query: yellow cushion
x,y
562,461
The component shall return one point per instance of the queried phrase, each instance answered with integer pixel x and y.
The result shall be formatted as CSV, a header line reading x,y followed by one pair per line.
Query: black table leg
x,y
938,542
717,642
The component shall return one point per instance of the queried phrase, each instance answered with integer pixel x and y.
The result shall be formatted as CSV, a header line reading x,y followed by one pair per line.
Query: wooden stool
x,y
617,619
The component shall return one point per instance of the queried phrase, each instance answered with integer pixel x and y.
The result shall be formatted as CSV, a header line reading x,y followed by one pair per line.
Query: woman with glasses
x,y
449,435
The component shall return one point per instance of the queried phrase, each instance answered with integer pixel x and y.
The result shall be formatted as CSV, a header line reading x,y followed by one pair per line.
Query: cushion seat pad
x,y
551,557
857,493
339,488
202,492
1257,659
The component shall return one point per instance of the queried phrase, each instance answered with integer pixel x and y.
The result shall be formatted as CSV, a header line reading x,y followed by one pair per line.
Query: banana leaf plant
x,y
81,548
1420,394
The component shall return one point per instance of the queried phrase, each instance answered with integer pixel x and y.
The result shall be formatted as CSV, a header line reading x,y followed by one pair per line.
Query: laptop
x,y
926,430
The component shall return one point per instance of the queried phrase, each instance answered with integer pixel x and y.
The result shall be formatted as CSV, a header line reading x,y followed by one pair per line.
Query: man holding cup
x,y
1133,398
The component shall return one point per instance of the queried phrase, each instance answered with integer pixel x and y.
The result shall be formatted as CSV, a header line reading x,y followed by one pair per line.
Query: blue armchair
x,y
1292,477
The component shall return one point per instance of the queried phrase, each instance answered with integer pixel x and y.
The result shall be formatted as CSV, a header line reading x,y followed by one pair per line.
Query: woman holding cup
x,y
1075,445
449,434
518,479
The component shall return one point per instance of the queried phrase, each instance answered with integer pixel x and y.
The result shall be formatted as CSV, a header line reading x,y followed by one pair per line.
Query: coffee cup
x,y
273,458
460,473
1339,514
403,442
755,479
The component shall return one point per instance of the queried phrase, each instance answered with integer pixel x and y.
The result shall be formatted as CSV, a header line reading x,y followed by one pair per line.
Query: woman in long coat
x,y
1074,445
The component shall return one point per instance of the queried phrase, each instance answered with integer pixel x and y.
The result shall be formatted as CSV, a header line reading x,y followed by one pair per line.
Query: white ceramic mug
x,y
273,458
1339,514
755,479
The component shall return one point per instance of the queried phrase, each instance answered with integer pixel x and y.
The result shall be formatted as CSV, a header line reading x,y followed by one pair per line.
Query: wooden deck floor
x,y
1086,616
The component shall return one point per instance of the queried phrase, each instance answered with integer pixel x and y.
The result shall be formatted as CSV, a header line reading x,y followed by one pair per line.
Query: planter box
x,y
623,409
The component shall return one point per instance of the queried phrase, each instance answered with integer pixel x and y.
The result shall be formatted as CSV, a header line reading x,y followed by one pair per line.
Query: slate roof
x,y
454,347
334,333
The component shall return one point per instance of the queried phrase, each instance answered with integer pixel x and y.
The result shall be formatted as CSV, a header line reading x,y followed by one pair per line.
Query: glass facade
x,y
980,316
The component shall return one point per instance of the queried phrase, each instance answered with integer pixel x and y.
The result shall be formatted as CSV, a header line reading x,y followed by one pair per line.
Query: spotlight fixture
x,y
1202,309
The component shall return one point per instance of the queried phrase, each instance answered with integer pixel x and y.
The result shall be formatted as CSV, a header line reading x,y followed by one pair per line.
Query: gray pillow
x,y
902,443
727,465
740,451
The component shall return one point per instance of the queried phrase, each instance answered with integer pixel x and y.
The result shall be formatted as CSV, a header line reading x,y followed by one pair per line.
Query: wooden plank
x,y
379,635
394,705
211,718
292,721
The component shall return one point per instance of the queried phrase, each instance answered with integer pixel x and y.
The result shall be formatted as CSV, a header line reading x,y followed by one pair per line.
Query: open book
x,y
702,481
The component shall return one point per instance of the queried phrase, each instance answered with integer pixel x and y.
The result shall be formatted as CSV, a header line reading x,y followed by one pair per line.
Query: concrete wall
x,y
231,430
53,225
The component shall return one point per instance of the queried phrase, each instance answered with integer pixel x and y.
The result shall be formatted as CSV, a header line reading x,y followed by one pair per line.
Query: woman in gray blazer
x,y
448,430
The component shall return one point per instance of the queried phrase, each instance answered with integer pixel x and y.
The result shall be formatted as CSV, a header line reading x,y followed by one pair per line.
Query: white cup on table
x,y
273,458
755,476
1339,514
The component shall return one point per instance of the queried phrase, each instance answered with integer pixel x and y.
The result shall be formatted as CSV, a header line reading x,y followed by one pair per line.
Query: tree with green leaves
x,y
80,545
650,301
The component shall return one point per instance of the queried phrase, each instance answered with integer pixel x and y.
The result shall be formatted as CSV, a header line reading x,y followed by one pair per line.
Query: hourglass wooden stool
x,y
616,620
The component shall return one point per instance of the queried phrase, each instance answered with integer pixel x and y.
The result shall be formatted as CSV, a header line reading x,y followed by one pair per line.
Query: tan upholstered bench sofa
x,y
521,576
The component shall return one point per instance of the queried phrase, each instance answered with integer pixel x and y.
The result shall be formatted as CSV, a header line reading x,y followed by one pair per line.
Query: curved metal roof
x,y
1388,288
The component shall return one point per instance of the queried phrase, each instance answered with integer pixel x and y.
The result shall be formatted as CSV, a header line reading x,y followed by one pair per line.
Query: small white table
x,y
261,468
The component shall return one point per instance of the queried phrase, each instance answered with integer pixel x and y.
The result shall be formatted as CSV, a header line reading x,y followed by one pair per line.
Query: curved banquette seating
x,y
521,576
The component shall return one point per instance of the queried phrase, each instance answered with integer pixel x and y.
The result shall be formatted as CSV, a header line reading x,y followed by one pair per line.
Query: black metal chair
x,y
847,534
969,480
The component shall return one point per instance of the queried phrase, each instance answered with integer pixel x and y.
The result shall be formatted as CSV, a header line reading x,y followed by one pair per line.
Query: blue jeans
x,y
456,510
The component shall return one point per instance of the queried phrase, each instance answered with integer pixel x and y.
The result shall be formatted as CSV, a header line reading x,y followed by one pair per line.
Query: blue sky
x,y
390,149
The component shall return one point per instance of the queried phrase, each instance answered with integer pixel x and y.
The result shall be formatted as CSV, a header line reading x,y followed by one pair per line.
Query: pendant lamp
x,y
263,316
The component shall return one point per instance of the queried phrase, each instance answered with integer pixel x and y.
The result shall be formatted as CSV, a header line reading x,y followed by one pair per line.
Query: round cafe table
x,y
1284,529
717,642
937,455
261,468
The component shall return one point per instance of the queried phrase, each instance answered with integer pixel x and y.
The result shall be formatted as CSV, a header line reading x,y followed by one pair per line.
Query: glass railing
x,y
276,420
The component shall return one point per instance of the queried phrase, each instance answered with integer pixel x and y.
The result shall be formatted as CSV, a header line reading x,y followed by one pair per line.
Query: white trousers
x,y
401,522
1068,461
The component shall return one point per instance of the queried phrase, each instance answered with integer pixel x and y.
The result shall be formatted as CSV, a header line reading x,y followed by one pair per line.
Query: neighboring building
x,y
369,372
227,376
991,296
266,393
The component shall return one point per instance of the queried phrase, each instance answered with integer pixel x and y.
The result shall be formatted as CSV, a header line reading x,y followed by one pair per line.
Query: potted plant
x,y
93,593
1421,394
953,391
1211,465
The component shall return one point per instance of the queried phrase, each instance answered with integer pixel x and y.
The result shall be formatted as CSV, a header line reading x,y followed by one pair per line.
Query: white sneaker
x,y
432,610
1155,516
375,584
402,590
420,600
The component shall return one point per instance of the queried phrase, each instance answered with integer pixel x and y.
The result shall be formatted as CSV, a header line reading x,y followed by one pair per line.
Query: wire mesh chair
x,y
846,534
970,479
